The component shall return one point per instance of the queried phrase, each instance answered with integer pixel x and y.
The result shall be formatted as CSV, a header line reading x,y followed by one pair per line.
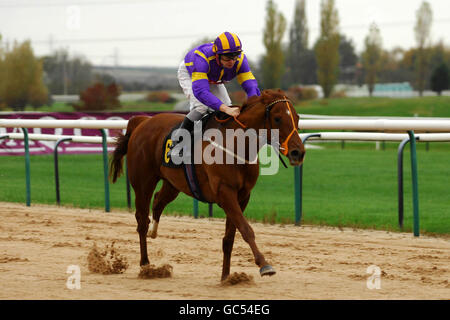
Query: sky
x,y
159,32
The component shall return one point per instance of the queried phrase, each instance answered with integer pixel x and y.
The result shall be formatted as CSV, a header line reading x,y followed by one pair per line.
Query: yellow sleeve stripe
x,y
221,74
241,59
189,64
201,54
199,76
242,77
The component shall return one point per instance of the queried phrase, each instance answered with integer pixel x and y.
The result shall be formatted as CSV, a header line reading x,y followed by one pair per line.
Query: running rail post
x,y
415,183
27,166
105,169
401,148
298,177
55,160
195,208
210,209
128,184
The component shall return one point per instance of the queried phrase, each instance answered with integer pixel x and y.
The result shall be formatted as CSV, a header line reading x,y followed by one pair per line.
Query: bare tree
x,y
327,47
422,31
298,45
273,61
372,56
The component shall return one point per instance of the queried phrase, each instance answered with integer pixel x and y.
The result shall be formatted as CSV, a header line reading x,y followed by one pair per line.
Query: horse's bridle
x,y
284,145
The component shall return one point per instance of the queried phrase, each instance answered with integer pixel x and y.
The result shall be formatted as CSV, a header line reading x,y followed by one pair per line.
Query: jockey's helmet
x,y
227,44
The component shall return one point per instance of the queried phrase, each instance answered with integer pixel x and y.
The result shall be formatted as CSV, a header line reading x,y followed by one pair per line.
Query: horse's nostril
x,y
297,154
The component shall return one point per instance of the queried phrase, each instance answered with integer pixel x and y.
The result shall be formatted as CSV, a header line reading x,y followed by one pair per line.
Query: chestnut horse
x,y
228,185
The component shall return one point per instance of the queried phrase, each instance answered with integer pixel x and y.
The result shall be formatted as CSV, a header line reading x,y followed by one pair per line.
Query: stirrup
x,y
174,143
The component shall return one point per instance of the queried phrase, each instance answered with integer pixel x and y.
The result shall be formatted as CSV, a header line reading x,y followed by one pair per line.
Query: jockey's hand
x,y
232,111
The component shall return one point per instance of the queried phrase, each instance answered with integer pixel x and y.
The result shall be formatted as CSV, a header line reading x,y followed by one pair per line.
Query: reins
x,y
283,147
243,126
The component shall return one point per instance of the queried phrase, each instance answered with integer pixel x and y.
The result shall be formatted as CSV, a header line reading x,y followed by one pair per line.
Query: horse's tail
x,y
116,161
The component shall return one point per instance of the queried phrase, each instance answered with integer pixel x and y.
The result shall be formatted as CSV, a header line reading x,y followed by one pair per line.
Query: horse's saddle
x,y
168,143
188,166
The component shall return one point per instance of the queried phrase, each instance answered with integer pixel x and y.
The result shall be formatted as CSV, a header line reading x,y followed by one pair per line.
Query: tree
x,y
440,79
422,32
24,76
67,75
297,53
273,61
327,47
393,68
372,56
439,54
38,92
2,76
347,60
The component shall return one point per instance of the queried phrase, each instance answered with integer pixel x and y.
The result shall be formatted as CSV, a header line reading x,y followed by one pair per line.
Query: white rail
x,y
370,136
337,124
323,117
82,124
52,137
376,125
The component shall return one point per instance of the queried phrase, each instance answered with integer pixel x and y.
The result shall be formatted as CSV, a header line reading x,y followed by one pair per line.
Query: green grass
x,y
351,187
128,106
355,186
400,107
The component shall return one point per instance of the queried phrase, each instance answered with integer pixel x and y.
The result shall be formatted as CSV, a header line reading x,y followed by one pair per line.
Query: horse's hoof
x,y
267,271
153,232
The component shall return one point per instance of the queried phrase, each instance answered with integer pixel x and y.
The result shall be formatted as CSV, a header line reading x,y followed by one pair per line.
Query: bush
x,y
160,96
339,94
294,94
99,97
297,94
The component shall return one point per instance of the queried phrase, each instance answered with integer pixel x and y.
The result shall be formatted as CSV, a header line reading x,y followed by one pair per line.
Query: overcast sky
x,y
158,32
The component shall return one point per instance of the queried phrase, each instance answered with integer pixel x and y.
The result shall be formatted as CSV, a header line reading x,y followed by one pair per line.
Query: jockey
x,y
204,71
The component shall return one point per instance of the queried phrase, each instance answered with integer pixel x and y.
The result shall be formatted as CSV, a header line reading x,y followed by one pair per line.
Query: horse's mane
x,y
266,97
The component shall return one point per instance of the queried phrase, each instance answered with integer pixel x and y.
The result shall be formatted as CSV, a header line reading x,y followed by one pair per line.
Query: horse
x,y
227,185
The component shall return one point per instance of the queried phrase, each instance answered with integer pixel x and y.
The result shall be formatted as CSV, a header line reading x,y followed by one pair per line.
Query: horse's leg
x,y
163,197
227,247
228,241
142,201
230,204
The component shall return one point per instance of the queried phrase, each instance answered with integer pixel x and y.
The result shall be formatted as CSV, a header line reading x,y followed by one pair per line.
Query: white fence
x,y
316,124
409,125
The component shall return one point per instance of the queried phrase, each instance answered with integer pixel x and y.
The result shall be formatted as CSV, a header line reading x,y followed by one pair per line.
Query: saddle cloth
x,y
189,168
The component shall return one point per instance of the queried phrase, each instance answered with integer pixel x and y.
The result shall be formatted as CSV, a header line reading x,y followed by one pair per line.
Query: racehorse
x,y
227,185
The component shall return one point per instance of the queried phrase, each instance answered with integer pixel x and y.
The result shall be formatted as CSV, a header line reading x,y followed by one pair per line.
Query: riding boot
x,y
187,124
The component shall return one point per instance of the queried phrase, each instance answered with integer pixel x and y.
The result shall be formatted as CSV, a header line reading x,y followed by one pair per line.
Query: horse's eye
x,y
277,120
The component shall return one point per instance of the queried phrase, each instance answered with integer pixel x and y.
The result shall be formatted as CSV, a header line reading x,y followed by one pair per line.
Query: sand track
x,y
38,243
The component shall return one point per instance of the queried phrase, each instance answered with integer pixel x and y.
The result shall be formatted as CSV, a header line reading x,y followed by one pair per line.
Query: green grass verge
x,y
351,187
128,106
395,107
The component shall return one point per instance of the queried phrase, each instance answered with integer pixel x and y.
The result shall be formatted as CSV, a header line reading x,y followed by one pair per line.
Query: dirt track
x,y
38,243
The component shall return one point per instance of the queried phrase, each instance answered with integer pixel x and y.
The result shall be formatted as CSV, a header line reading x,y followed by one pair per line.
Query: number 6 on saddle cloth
x,y
185,160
